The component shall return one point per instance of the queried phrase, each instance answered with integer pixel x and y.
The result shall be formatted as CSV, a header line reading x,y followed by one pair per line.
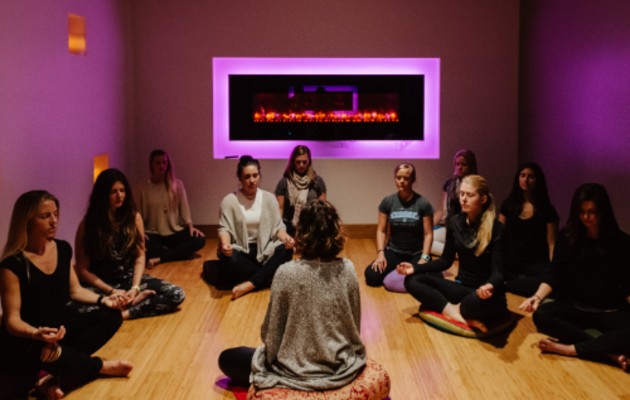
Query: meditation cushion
x,y
372,384
395,282
446,324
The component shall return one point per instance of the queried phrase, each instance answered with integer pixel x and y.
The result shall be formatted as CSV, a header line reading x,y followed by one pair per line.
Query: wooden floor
x,y
175,356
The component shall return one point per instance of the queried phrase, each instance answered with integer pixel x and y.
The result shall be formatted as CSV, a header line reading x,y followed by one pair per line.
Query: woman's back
x,y
311,330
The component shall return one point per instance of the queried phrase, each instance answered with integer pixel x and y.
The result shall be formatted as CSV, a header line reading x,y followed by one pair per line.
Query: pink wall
x,y
59,110
575,114
175,41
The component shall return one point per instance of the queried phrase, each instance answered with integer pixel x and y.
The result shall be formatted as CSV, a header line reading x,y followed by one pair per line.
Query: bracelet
x,y
137,288
380,250
537,297
111,291
99,301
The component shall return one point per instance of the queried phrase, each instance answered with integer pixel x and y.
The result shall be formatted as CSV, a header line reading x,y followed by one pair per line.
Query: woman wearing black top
x,y
39,332
476,296
531,223
590,279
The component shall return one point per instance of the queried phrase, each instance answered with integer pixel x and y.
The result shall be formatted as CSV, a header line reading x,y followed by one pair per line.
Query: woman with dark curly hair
x,y
531,224
311,330
110,251
590,280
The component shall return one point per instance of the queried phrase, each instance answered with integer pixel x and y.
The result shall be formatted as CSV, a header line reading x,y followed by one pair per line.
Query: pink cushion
x,y
372,384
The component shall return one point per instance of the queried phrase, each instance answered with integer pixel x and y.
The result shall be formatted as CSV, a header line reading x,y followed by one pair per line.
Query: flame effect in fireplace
x,y
322,117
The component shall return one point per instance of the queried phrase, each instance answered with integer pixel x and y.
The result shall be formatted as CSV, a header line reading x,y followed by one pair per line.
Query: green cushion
x,y
446,324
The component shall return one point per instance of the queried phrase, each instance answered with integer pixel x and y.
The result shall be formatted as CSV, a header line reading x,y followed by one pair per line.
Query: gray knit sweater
x,y
232,221
311,330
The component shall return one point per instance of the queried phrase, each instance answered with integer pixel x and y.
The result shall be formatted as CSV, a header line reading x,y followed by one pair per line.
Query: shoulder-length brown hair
x,y
320,231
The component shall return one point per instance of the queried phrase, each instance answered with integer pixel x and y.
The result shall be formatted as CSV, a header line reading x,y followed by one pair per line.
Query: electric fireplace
x,y
326,107
340,108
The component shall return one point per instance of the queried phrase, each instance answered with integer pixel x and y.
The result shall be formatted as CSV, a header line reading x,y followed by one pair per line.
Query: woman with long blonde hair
x,y
39,332
163,205
476,297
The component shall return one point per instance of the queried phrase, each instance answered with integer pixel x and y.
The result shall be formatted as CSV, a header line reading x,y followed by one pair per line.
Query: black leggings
x,y
178,246
563,321
435,292
236,363
85,334
241,267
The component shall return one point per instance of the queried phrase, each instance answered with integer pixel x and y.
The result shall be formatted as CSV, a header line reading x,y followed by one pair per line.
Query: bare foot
x,y
116,368
547,345
142,296
620,360
242,289
153,262
47,388
478,325
452,311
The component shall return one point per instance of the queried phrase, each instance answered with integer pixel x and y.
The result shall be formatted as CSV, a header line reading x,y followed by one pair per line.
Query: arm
x,y
501,218
427,227
281,199
138,268
552,229
441,264
12,319
531,304
438,217
380,263
82,295
184,211
83,264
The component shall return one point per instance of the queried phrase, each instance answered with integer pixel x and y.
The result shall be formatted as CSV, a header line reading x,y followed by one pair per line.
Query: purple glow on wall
x,y
365,149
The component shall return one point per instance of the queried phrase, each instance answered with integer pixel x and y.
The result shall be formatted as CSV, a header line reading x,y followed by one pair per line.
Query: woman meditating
x,y
110,251
590,281
476,297
299,185
531,223
39,332
163,205
311,330
407,218
253,241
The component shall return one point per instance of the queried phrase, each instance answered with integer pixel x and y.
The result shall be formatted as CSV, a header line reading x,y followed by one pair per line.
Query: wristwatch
x,y
426,257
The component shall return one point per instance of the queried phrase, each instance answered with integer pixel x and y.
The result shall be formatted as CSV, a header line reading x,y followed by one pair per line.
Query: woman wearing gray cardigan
x,y
253,241
311,332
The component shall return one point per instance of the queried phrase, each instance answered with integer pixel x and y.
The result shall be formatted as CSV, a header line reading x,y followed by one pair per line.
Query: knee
x,y
372,278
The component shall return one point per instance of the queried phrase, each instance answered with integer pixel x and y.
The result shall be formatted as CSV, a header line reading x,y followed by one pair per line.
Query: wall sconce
x,y
101,163
76,34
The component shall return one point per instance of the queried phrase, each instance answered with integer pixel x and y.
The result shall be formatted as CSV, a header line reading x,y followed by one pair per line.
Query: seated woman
x,y
590,279
163,205
408,217
310,341
476,297
253,241
110,251
39,332
299,185
465,163
531,223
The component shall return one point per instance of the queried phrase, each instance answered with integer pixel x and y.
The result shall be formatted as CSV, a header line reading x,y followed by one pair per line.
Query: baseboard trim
x,y
357,231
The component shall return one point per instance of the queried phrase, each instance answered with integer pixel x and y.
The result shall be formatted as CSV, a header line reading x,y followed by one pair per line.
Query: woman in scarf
x,y
299,185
